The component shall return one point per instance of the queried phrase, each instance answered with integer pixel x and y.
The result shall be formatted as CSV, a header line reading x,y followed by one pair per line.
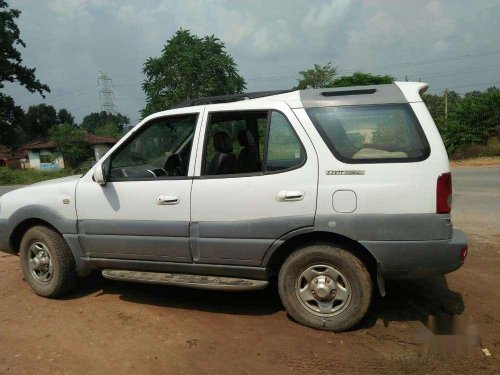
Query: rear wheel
x,y
47,262
325,287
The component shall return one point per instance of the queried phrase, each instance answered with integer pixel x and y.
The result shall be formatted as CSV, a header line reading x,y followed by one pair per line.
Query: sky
x,y
451,44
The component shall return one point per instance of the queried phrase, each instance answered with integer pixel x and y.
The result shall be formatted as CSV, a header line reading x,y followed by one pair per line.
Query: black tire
x,y
62,277
352,272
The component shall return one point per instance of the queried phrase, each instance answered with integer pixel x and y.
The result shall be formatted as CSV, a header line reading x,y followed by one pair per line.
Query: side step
x,y
184,280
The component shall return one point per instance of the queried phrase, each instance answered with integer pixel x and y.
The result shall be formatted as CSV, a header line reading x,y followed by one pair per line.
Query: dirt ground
x,y
477,162
110,327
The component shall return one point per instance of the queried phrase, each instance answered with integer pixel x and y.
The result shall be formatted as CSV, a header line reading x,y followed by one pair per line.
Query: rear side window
x,y
284,150
372,133
243,142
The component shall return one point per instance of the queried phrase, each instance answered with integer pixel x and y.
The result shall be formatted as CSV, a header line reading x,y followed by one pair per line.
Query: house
x,y
41,153
11,159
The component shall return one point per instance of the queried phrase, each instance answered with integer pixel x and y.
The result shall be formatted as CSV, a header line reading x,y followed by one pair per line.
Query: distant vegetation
x,y
190,66
29,176
472,127
324,76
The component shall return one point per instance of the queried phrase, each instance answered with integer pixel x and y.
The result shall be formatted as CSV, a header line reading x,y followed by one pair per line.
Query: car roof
x,y
398,92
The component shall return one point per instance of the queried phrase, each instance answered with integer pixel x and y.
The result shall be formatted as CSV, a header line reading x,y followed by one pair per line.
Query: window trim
x,y
418,129
263,171
136,134
264,166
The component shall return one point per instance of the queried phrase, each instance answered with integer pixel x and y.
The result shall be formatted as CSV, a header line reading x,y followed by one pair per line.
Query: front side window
x,y
371,133
162,149
250,142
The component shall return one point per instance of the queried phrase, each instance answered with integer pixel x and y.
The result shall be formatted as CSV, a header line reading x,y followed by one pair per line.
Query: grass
x,y
477,162
29,176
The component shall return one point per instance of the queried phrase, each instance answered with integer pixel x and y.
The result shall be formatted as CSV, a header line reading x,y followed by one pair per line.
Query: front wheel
x,y
47,262
325,287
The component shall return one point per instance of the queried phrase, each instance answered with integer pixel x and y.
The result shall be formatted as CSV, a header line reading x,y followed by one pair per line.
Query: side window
x,y
371,133
284,149
234,142
161,149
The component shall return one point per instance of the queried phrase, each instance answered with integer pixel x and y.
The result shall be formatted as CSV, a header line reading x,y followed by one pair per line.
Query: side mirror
x,y
100,172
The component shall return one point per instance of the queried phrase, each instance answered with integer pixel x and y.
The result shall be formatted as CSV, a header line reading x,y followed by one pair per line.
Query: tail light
x,y
444,194
463,254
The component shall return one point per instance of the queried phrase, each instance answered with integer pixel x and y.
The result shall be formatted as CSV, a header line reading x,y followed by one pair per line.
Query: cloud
x,y
69,41
323,15
66,7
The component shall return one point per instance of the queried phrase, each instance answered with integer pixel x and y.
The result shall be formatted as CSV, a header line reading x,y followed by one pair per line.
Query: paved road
x,y
476,198
5,189
476,194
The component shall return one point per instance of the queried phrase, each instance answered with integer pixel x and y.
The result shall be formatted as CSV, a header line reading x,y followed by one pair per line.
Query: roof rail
x,y
229,98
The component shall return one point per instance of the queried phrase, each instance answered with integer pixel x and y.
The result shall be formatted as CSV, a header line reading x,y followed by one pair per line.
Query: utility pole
x,y
106,95
446,107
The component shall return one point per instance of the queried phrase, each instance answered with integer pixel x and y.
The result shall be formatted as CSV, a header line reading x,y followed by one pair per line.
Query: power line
x,y
399,65
471,85
449,73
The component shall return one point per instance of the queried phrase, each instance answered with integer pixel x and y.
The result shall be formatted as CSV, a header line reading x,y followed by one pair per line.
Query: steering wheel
x,y
173,165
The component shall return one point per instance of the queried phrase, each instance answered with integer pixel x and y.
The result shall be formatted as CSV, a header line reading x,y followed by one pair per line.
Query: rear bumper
x,y
418,259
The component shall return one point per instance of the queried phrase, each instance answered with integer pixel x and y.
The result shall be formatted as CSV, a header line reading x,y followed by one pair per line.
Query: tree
x,y
64,117
11,121
12,70
362,79
108,130
70,142
480,113
472,120
436,106
94,120
189,67
318,76
38,120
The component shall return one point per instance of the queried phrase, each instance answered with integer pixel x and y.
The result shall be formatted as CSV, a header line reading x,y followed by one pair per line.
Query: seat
x,y
248,159
342,144
224,161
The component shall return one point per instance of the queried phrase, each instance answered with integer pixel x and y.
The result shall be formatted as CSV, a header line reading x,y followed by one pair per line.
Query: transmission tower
x,y
106,95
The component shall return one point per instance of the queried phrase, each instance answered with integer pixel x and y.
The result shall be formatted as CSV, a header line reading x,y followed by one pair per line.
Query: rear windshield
x,y
371,133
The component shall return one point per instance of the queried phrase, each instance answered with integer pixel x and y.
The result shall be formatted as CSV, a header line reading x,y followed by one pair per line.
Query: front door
x,y
143,211
256,180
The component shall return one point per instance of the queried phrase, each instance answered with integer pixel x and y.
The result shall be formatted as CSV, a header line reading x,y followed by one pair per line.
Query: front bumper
x,y
4,237
418,259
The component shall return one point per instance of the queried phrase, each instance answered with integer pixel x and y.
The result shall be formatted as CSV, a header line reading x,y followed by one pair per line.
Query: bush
x,y
29,176
493,147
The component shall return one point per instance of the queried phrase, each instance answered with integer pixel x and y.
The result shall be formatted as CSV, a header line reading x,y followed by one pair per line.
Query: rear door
x,y
255,181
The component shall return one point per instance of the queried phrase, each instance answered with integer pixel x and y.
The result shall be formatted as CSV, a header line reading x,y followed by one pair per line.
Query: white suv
x,y
329,191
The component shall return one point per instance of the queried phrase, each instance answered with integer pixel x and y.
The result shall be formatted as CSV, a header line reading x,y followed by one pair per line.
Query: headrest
x,y
223,143
246,138
336,130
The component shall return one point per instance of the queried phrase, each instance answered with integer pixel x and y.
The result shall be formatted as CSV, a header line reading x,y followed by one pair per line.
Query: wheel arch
x,y
283,248
31,215
21,228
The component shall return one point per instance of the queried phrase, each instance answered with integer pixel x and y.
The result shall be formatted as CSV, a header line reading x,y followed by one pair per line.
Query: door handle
x,y
167,200
290,195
